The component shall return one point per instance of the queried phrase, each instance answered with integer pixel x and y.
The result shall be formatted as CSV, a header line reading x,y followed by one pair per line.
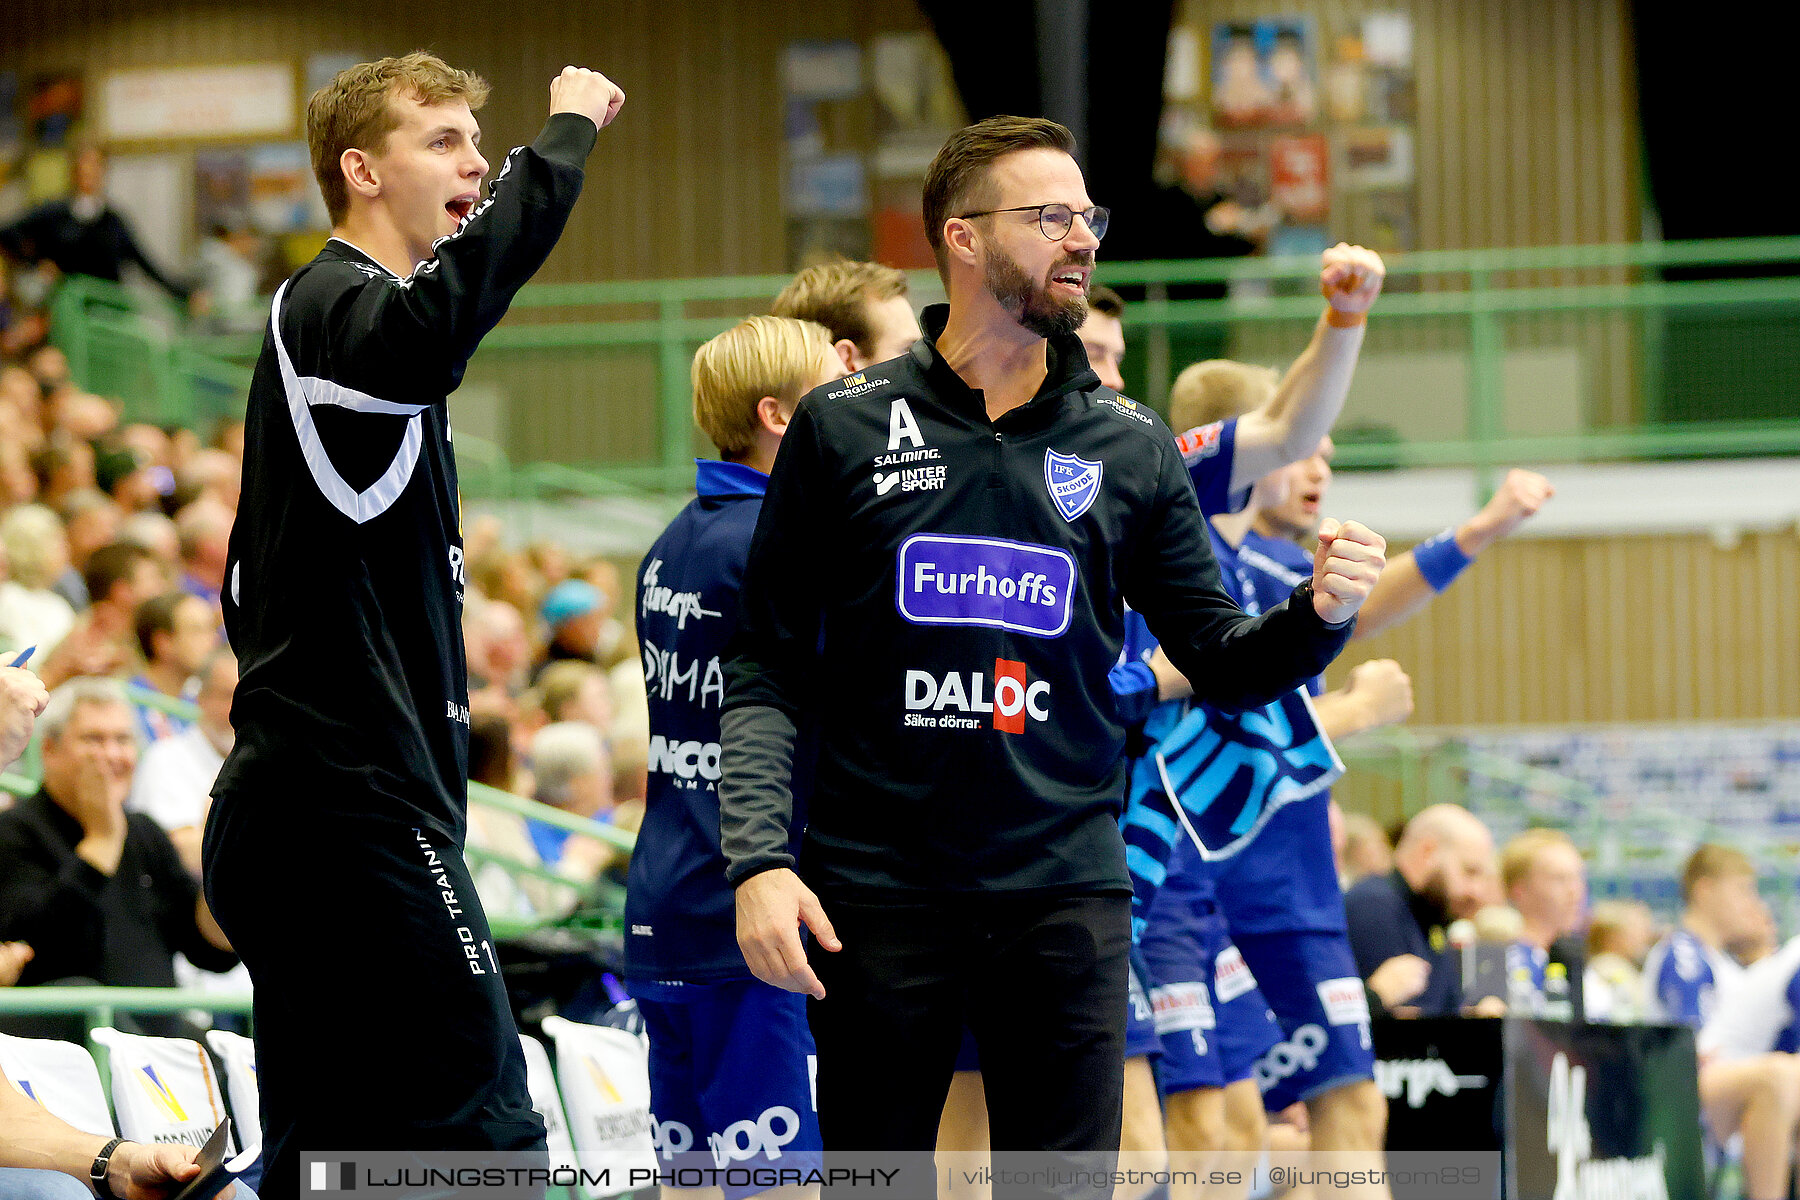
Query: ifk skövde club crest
x,y
1073,482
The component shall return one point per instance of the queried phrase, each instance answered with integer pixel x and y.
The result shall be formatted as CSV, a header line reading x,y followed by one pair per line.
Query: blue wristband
x,y
1441,560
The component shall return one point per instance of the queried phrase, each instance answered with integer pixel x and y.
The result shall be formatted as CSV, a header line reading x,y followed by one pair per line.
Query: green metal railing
x,y
1470,297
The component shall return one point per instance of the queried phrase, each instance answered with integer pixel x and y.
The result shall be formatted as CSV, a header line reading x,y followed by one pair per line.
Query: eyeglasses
x,y
1057,219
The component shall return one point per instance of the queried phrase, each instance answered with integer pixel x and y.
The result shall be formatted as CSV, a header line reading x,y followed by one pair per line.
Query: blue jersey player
x,y
1280,895
1749,1075
730,1056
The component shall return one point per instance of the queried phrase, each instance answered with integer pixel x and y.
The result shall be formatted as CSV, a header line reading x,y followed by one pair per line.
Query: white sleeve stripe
x,y
379,496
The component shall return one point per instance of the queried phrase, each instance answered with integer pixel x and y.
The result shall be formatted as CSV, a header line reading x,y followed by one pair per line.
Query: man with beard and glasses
x,y
1443,871
938,583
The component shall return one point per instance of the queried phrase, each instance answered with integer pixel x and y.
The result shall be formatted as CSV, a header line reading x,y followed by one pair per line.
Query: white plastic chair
x,y
163,1089
62,1077
604,1075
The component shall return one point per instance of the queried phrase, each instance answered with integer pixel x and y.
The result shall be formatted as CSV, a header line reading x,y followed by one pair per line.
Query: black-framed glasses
x,y
1056,219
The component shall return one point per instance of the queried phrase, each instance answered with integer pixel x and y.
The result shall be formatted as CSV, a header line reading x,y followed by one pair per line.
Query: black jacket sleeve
x,y
20,238
1233,661
409,342
768,672
1378,921
177,894
130,251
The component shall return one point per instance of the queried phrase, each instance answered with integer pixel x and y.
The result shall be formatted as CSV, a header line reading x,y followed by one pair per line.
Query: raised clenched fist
x,y
1345,567
1350,278
1382,687
1515,501
593,95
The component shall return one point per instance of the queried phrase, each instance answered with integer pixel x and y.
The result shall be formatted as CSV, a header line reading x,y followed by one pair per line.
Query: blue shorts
x,y
731,1077
1210,1017
1311,983
1140,1026
1281,899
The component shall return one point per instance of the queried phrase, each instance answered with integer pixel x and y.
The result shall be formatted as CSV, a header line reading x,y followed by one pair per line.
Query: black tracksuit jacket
x,y
942,596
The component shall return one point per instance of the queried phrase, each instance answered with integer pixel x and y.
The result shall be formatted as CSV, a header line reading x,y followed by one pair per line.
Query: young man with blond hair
x,y
726,1049
343,603
863,305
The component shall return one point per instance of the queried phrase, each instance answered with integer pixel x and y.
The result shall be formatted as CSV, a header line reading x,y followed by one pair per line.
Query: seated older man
x,y
98,893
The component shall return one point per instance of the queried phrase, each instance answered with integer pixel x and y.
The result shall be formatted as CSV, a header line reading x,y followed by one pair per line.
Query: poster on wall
x,y
151,192
193,102
55,109
282,195
221,190
1300,177
1376,157
822,70
1264,74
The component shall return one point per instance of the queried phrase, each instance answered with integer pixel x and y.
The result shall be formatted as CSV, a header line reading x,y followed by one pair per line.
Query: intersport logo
x,y
944,702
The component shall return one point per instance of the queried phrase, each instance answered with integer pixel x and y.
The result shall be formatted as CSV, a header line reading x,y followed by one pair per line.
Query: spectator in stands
x,y
613,645
99,893
493,762
1363,849
20,327
1103,336
119,576
500,651
203,530
571,771
576,691
1546,881
229,437
175,632
575,613
33,553
83,235
90,520
862,305
1749,1082
173,784
62,464
157,534
231,270
131,478
1619,934
1398,921
210,474
43,1158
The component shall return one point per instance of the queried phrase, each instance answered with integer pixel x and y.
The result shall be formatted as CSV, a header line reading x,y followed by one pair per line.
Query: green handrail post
x,y
674,385
1487,358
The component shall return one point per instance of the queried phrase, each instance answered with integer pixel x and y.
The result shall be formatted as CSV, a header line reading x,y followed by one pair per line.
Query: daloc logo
x,y
950,580
1073,482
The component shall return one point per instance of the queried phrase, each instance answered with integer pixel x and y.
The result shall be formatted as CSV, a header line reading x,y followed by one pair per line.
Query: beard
x,y
1436,893
1030,302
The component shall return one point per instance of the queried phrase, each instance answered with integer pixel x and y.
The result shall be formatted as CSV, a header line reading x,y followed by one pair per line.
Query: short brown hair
x,y
355,111
1106,302
958,176
757,357
837,295
1712,861
1216,390
1521,853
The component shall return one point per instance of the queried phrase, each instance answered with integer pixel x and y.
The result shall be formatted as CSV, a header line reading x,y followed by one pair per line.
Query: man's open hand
x,y
771,908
